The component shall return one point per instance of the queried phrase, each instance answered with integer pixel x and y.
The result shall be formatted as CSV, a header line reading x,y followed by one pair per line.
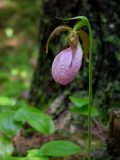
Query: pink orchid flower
x,y
66,65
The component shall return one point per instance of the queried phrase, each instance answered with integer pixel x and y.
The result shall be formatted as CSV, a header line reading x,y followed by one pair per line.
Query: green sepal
x,y
78,17
83,21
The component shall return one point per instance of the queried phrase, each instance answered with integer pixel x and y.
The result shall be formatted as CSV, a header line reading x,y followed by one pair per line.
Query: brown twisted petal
x,y
85,41
55,31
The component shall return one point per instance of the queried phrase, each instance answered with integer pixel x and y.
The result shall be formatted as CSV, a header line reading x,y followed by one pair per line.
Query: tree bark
x,y
104,19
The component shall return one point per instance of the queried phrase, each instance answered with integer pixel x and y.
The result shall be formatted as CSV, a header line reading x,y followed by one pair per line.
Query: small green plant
x,y
80,106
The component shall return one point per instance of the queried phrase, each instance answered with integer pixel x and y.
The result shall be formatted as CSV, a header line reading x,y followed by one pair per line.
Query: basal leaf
x,y
35,153
59,149
36,119
8,125
84,110
25,158
79,102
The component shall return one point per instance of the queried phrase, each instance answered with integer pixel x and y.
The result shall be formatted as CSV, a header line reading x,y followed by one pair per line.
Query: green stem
x,y
84,22
90,93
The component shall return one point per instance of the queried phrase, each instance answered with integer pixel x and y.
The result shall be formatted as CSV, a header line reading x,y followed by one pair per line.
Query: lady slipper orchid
x,y
67,63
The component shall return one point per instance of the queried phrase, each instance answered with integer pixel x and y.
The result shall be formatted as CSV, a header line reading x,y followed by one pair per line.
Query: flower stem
x,y
90,93
85,22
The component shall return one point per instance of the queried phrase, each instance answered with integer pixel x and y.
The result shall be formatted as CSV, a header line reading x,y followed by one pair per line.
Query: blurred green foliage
x,y
18,52
18,48
6,148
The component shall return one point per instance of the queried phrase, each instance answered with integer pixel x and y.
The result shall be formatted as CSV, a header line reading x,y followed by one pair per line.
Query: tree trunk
x,y
104,19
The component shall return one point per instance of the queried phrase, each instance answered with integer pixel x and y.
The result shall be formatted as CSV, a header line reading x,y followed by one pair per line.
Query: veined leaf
x,y
81,106
36,119
8,125
84,110
79,102
33,153
25,158
59,149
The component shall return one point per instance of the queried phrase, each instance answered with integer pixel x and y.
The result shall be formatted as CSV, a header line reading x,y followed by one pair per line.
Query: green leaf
x,y
6,147
84,110
26,158
79,102
59,149
8,125
36,119
37,158
16,158
34,153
